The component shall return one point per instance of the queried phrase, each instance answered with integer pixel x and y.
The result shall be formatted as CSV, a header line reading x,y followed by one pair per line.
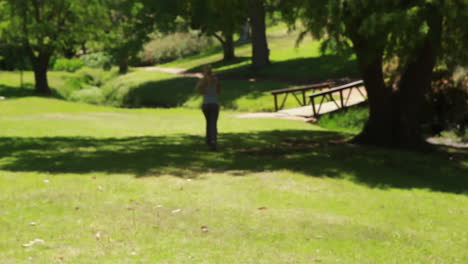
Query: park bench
x,y
294,90
338,92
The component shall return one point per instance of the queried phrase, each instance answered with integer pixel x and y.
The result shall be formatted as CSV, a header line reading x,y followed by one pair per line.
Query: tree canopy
x,y
220,19
43,27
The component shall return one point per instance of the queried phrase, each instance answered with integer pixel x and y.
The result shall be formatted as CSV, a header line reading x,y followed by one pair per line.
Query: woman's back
x,y
210,95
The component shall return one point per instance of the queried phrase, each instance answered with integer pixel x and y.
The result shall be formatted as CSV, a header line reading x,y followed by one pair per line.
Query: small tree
x,y
43,27
131,22
217,18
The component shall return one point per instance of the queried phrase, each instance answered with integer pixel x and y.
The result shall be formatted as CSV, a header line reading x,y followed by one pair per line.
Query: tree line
x,y
40,29
397,43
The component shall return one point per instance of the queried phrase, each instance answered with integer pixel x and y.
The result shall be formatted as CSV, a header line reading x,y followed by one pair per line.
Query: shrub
x,y
72,84
69,65
91,95
172,47
96,77
84,85
448,104
97,60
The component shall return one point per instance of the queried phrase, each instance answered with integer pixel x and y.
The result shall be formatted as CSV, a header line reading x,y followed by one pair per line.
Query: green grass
x,y
349,120
10,82
106,185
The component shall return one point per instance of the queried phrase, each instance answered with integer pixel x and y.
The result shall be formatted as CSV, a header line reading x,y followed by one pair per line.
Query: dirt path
x,y
278,115
177,71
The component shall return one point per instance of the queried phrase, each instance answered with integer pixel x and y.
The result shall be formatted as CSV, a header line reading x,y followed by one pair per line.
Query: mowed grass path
x,y
105,185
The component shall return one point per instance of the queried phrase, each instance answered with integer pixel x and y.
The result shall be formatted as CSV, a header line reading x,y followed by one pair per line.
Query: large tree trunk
x,y
227,41
40,66
228,47
395,115
122,60
123,64
260,51
378,128
415,83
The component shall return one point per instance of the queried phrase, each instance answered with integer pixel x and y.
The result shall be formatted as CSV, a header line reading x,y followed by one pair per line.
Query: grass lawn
x,y
91,184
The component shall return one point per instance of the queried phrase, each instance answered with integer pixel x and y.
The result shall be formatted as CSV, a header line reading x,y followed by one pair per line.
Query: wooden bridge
x,y
328,99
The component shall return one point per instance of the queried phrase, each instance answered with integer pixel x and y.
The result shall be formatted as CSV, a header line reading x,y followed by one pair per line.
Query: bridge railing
x,y
331,94
294,91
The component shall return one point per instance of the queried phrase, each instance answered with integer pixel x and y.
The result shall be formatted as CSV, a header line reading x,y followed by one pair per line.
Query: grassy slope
x,y
105,185
154,89
289,61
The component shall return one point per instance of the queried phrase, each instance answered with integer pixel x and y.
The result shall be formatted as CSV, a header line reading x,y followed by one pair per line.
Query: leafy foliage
x,y
212,16
448,104
43,27
397,27
172,47
69,65
97,60
131,22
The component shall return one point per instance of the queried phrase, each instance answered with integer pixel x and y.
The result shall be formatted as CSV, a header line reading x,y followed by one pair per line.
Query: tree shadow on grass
x,y
15,92
220,64
164,93
27,90
178,91
315,154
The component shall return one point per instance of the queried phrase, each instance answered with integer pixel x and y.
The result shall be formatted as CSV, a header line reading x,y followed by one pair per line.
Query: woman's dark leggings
x,y
211,112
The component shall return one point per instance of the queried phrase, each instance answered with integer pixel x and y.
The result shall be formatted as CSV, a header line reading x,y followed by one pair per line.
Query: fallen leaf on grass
x,y
32,242
176,211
